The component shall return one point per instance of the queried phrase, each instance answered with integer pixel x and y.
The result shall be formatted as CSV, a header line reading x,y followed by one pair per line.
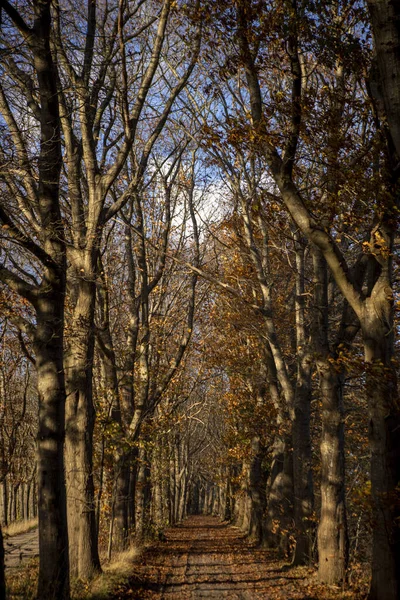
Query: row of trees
x,y
123,124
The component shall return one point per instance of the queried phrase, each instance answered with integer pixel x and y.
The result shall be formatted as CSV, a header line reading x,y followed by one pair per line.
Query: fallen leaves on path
x,y
204,558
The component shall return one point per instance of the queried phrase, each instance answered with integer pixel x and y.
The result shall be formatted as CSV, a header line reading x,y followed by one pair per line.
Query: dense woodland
x,y
199,214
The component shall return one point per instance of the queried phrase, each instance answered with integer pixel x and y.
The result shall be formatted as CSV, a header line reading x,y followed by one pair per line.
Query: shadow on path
x,y
204,558
21,547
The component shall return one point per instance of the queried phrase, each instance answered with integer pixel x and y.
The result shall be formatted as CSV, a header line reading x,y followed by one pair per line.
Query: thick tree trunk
x,y
332,530
47,299
2,574
257,485
385,448
385,16
244,515
279,525
53,535
226,503
302,456
80,417
121,506
302,478
377,326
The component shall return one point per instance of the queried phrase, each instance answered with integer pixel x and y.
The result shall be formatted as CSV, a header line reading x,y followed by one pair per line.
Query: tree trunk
x,y
80,417
279,524
53,536
257,487
172,483
302,457
5,501
244,515
182,497
121,506
302,477
157,487
385,17
141,497
385,447
377,326
120,501
2,574
177,479
226,505
332,530
27,500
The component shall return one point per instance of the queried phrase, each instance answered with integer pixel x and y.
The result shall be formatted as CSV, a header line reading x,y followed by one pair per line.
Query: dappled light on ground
x,y
204,558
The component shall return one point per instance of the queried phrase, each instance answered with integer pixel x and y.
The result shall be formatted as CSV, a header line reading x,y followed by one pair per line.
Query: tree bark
x,y
122,455
80,417
332,530
280,516
302,456
377,325
257,485
47,298
2,573
156,472
4,487
48,348
381,386
385,17
141,496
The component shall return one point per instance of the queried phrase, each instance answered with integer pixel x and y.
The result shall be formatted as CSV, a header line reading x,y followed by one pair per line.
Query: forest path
x,y
20,547
204,558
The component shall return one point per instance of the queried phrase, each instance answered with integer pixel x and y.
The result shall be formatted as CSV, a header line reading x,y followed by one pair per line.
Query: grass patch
x,y
114,579
20,527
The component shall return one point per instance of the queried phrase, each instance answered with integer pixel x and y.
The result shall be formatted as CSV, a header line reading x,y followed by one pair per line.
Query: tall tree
x,y
2,574
31,220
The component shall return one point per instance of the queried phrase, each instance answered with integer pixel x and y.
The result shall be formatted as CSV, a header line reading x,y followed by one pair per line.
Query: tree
x,y
2,575
31,220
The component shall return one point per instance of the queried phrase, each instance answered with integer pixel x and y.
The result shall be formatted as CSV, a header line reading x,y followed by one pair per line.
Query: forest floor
x,y
204,558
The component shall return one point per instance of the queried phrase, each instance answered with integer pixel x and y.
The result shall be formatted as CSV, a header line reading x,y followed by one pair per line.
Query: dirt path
x,y
204,558
20,547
